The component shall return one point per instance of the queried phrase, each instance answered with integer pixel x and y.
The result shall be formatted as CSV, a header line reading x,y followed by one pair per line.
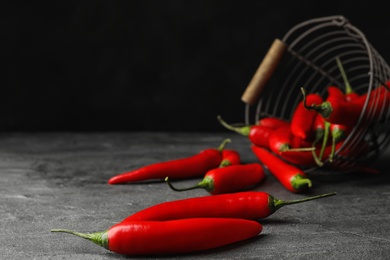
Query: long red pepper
x,y
282,139
184,168
257,134
303,118
272,122
229,179
335,110
252,205
291,177
171,237
291,147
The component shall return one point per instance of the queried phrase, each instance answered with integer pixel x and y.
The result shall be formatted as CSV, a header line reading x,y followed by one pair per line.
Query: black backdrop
x,y
147,65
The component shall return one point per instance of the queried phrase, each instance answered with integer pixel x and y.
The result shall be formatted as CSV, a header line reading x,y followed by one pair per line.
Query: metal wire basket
x,y
305,57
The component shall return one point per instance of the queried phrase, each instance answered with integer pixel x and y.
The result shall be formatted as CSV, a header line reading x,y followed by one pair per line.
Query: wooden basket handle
x,y
264,72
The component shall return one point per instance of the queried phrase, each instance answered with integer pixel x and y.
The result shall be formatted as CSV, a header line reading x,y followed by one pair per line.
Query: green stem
x,y
99,238
348,88
298,182
207,183
317,160
244,130
301,149
324,109
223,144
325,139
276,204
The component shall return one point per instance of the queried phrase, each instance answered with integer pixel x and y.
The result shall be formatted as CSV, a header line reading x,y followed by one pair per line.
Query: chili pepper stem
x,y
317,160
302,149
223,144
206,183
348,88
99,238
276,204
325,108
325,139
299,182
240,130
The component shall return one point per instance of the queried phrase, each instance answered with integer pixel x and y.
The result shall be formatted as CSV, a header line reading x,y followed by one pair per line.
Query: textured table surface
x,y
59,180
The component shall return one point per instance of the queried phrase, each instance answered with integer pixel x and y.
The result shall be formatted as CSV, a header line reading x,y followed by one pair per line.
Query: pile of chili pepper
x,y
228,215
318,128
233,210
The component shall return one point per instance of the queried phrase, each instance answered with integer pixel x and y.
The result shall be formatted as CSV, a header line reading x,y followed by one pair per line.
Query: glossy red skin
x,y
378,103
230,157
245,205
351,96
283,172
178,236
190,167
343,112
272,122
303,118
235,177
319,128
340,130
335,92
283,137
259,135
280,138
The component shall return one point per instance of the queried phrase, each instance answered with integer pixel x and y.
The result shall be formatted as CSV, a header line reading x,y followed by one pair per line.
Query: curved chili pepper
x,y
335,111
252,205
291,177
184,168
228,179
303,118
257,134
272,122
282,140
292,148
230,157
171,237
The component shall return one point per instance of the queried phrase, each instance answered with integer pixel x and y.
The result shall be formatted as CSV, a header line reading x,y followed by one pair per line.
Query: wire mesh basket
x,y
306,57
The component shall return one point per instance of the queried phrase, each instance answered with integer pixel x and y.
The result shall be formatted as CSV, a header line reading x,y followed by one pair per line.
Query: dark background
x,y
147,65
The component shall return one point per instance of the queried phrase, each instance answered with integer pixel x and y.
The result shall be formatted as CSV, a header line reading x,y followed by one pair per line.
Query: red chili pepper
x,y
257,134
229,179
303,118
335,92
336,111
338,132
230,157
171,237
184,168
292,148
319,129
291,177
378,103
251,205
272,122
282,140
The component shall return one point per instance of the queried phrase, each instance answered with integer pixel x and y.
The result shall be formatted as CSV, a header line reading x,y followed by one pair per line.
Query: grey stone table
x,y
59,180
